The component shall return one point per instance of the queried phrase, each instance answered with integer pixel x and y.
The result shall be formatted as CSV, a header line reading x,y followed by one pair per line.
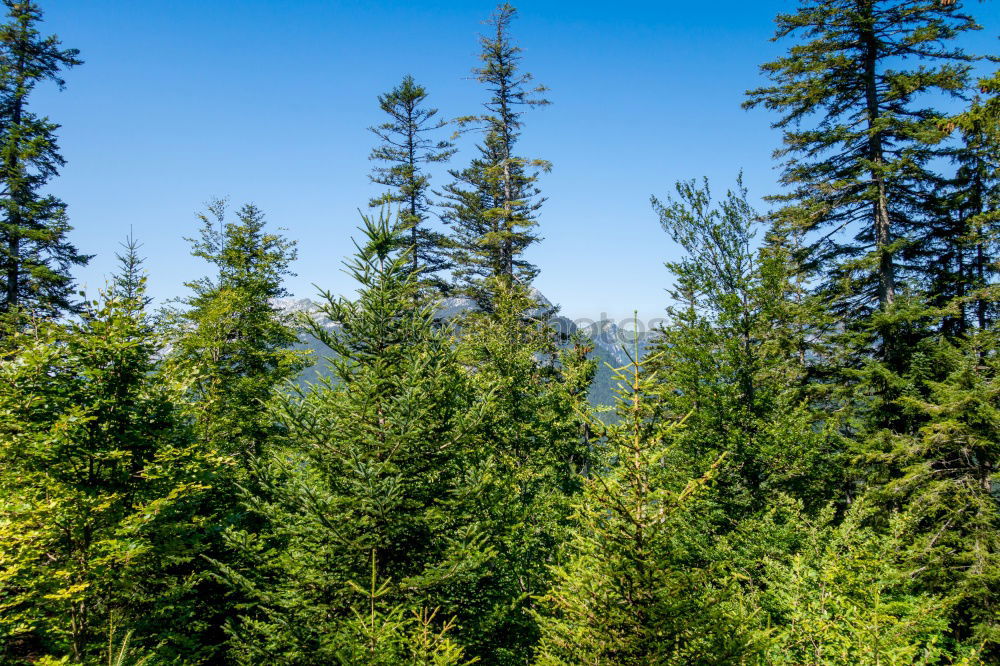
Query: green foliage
x,y
736,354
534,445
405,148
636,587
231,347
99,478
35,254
858,136
945,487
803,470
846,596
491,205
373,466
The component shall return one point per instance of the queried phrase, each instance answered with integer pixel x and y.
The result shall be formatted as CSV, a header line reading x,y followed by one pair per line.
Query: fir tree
x,y
373,471
636,587
405,149
963,246
34,249
858,139
100,477
946,489
844,595
232,345
492,204
535,445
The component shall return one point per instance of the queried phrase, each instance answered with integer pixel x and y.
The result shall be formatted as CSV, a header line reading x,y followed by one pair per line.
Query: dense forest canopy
x,y
799,466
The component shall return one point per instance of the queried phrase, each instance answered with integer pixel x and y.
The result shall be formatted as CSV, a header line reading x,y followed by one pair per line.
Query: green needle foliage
x,y
405,150
231,346
800,466
845,596
491,205
35,254
534,446
859,137
637,587
99,477
736,354
373,466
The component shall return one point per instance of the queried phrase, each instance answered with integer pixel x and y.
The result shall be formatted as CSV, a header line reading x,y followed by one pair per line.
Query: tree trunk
x,y
880,206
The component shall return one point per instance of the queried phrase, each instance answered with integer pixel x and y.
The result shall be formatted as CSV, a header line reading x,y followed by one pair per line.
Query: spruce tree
x,y
370,481
859,137
232,346
36,255
405,151
492,204
100,479
535,446
843,593
636,586
962,248
944,483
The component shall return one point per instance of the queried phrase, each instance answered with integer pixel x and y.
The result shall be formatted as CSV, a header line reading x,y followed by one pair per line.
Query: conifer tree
x,y
232,346
492,204
944,483
371,478
406,150
35,253
737,354
100,479
535,446
962,248
844,594
230,352
858,138
636,587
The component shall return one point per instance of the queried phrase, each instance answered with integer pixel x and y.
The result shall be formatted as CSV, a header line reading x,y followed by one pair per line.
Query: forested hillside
x,y
799,466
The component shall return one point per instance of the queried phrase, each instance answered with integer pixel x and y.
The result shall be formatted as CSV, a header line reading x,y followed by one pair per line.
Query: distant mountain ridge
x,y
607,335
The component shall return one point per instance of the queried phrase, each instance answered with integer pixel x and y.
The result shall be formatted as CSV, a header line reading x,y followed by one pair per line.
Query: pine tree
x,y
406,150
34,249
492,204
858,138
100,478
373,471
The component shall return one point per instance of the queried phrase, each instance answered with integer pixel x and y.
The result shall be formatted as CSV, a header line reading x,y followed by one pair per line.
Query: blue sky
x,y
268,102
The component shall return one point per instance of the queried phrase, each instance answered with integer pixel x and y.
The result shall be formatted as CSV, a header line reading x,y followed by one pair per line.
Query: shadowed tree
x,y
35,254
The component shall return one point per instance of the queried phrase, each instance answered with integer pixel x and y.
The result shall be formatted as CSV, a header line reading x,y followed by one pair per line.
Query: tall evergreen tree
x,y
370,482
35,253
405,149
964,246
637,586
535,445
492,204
858,133
230,351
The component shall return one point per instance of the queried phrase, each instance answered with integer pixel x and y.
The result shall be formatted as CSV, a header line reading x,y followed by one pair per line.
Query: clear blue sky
x,y
268,102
